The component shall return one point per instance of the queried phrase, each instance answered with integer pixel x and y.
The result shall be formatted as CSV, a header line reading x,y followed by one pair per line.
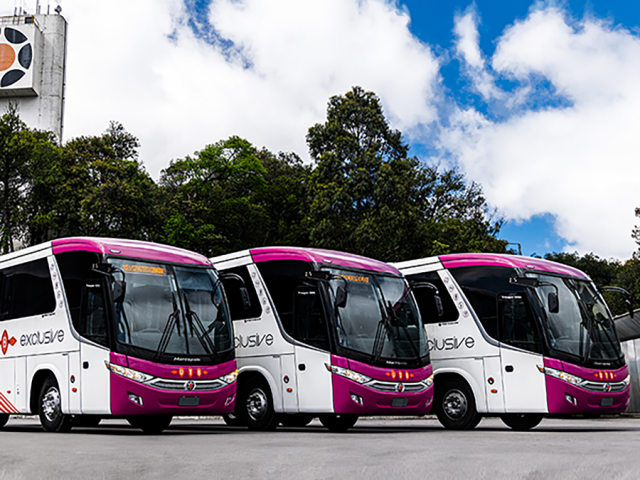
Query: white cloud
x,y
139,63
577,161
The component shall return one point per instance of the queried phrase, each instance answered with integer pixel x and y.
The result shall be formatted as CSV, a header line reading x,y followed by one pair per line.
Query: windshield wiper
x,y
166,333
205,340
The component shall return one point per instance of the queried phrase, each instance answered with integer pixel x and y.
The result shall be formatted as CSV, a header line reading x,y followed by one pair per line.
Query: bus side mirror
x,y
439,308
341,297
437,299
119,291
554,303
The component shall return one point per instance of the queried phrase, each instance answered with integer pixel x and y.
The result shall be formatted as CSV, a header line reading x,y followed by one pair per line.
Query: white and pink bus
x,y
517,337
323,334
96,327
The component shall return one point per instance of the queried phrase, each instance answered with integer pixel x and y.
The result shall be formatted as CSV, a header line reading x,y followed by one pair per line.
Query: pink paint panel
x,y
587,402
376,402
156,401
129,248
323,257
515,261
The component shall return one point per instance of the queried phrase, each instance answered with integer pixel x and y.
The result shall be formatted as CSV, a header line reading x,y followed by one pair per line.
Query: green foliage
x,y
370,198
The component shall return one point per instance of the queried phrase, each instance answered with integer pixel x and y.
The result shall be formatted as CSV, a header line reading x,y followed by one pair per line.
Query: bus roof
x,y
128,248
319,256
505,260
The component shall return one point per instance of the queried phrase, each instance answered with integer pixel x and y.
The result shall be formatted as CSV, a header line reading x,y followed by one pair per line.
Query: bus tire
x,y
455,405
4,418
521,422
255,409
150,424
338,422
50,408
232,419
296,419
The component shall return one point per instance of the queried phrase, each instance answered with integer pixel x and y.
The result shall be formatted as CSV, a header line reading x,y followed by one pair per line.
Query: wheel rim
x,y
454,404
257,404
51,404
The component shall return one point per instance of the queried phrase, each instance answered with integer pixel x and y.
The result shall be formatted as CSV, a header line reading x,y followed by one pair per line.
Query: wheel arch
x,y
36,385
256,371
442,376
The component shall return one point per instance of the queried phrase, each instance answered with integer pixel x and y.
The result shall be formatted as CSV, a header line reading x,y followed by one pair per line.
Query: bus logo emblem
x,y
607,387
400,388
189,386
6,341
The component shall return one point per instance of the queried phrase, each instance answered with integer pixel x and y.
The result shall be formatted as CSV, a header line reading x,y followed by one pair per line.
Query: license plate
x,y
189,401
399,402
606,402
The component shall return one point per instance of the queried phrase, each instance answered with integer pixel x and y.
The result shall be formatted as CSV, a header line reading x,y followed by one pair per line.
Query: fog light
x,y
137,399
429,400
357,399
229,400
571,399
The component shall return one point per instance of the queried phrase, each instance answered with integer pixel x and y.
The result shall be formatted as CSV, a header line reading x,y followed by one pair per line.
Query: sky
x,y
536,101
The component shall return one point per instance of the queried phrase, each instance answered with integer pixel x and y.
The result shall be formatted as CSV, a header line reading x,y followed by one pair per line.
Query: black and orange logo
x,y
16,56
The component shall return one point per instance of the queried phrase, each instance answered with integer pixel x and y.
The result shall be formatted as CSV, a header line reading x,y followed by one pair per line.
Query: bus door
x,y
520,355
95,380
315,393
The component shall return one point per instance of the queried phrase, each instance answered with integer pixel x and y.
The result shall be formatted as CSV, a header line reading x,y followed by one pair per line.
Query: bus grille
x,y
191,385
604,387
409,387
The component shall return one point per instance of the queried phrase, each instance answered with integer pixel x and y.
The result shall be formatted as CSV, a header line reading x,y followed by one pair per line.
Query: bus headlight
x,y
350,374
230,377
129,373
429,380
567,377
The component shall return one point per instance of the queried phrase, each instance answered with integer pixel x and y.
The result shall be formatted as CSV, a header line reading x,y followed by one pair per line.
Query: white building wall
x,y
40,93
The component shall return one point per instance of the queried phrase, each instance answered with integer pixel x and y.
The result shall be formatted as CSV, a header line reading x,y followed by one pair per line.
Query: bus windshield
x,y
379,318
177,310
583,325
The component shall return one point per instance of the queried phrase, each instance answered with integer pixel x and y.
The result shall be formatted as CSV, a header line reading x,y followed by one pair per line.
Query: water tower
x,y
32,68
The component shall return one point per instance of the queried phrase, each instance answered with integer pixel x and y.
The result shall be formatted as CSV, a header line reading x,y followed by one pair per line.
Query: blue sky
x,y
433,22
538,102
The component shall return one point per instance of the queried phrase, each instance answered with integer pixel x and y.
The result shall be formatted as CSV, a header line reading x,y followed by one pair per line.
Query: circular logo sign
x,y
16,56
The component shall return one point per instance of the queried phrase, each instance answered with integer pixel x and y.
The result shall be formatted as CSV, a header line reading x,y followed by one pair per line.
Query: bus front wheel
x,y
338,423
50,408
256,405
456,406
521,422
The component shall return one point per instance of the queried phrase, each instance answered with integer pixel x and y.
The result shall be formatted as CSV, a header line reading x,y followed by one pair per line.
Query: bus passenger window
x,y
425,297
232,291
26,290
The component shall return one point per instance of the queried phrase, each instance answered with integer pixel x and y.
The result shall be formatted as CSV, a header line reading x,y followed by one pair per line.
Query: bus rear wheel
x,y
4,418
255,409
455,405
521,422
150,424
337,422
50,408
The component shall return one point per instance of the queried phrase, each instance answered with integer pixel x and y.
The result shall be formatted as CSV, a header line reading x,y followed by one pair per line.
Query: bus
x,y
517,337
327,334
96,327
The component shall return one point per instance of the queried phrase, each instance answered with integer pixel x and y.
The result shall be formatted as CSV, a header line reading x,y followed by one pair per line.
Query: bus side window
x,y
26,290
308,317
426,300
517,326
85,291
232,290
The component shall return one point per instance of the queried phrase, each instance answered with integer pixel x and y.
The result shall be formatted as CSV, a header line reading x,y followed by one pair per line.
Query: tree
x,y
210,201
23,152
370,198
95,186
